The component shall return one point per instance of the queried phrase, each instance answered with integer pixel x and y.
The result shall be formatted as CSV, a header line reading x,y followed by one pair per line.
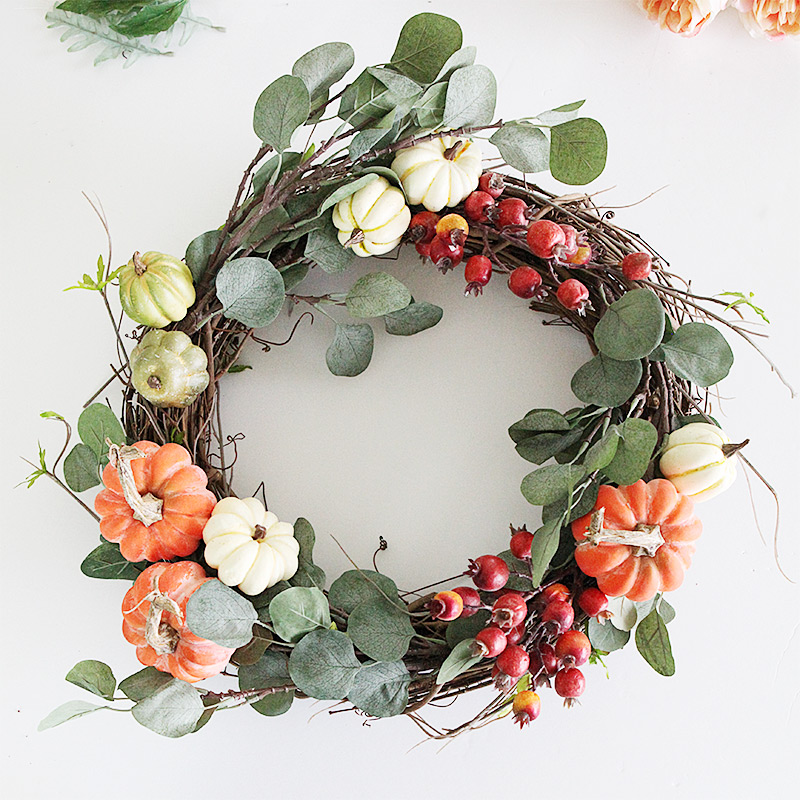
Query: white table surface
x,y
415,449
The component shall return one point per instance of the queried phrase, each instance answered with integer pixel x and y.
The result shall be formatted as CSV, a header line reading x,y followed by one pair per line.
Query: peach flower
x,y
773,18
683,16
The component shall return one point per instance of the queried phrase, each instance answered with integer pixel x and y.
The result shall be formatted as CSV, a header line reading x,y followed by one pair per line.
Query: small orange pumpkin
x,y
154,619
155,504
630,569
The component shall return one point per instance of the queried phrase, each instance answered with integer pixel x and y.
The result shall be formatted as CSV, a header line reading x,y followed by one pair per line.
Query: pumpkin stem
x,y
154,382
147,509
161,636
452,152
355,238
139,266
259,533
644,539
729,449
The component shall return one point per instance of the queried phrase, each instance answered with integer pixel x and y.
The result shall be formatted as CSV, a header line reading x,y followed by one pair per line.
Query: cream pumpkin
x,y
440,172
694,460
372,220
248,546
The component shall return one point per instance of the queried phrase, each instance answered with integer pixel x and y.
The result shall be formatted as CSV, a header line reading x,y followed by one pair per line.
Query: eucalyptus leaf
x,y
172,711
606,382
98,423
271,670
425,44
153,18
543,548
366,101
298,611
457,662
637,440
354,587
606,637
429,111
537,421
280,110
631,327
414,318
323,66
323,665
272,169
471,97
263,236
376,294
580,505
381,689
216,612
541,447
94,676
350,351
516,583
666,611
343,192
602,453
143,683
467,627
523,146
81,468
308,573
548,484
324,249
380,629
199,251
372,138
465,57
100,7
106,562
652,641
564,113
251,291
578,151
292,275
698,353
67,711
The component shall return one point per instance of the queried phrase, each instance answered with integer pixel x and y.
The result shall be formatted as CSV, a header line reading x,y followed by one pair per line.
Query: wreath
x,y
221,585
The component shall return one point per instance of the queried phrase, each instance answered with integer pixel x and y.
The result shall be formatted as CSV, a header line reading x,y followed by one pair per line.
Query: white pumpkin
x,y
248,546
440,172
695,462
372,220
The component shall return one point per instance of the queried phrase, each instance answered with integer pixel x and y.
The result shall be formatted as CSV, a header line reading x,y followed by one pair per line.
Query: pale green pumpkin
x,y
155,289
168,370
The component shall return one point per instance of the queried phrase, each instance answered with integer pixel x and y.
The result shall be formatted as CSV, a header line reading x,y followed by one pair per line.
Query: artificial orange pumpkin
x,y
630,569
154,619
155,504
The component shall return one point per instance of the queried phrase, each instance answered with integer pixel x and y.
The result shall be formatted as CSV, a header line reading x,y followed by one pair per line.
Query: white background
x,y
414,450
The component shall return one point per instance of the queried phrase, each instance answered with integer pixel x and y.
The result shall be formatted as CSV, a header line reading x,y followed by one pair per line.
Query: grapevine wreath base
x,y
221,585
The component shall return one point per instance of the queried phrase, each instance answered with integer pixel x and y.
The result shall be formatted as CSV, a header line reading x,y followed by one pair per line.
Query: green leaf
x,y
536,421
106,562
381,690
426,43
143,683
380,629
251,291
577,151
465,57
100,7
216,612
543,548
272,669
323,66
354,587
324,249
631,327
523,146
652,641
70,710
698,353
351,350
414,318
172,711
367,101
372,138
263,236
602,453
467,627
280,110
292,275
458,662
150,20
471,97
343,192
298,611
548,484
272,169
606,382
376,294
565,113
666,611
323,665
94,676
98,423
740,298
81,468
429,111
308,573
606,637
199,251
580,505
637,441
515,583
541,447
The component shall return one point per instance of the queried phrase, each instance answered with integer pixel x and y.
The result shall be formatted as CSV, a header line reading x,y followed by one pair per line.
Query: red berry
x,y
476,204
544,237
570,683
513,661
593,602
453,228
573,648
555,591
422,227
516,633
525,282
509,610
521,544
511,211
489,642
560,613
477,272
492,183
570,246
573,295
637,266
583,255
446,606
526,707
488,573
548,657
424,249
472,600
445,255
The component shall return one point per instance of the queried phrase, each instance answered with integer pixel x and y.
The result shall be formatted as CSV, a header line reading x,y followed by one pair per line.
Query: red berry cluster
x,y
531,633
